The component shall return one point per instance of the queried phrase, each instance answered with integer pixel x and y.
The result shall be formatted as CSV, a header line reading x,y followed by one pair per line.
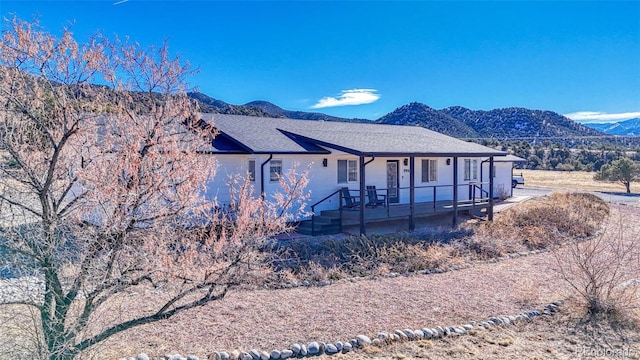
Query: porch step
x,y
479,212
324,225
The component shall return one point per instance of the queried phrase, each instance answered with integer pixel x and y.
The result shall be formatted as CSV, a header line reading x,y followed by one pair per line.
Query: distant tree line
x,y
547,155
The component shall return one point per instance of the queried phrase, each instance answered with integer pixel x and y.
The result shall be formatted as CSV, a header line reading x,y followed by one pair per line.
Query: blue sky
x,y
364,59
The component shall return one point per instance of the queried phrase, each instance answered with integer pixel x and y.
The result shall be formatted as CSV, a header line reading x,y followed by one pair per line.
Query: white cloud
x,y
600,117
348,97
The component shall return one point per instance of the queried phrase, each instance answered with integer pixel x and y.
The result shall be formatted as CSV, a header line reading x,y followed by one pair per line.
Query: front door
x,y
393,181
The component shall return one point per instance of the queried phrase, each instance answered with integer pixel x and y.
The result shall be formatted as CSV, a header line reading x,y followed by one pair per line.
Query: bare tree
x,y
603,271
101,187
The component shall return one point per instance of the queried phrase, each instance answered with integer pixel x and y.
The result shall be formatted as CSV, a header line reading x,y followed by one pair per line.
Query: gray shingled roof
x,y
276,135
509,158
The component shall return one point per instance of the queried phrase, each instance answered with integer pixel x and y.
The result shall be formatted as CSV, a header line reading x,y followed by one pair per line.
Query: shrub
x,y
547,221
604,271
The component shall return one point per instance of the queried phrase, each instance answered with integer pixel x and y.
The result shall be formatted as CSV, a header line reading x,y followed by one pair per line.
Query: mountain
x,y
629,127
518,123
457,121
214,106
260,108
277,111
421,115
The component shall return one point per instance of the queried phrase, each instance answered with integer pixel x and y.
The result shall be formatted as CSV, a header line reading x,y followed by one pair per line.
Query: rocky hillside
x,y
421,115
518,123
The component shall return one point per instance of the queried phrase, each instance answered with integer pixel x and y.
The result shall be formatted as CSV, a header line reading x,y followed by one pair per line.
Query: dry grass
x,y
564,336
274,319
536,224
570,180
542,222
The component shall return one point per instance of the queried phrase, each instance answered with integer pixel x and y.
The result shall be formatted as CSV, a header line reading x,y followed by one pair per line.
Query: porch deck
x,y
395,211
334,221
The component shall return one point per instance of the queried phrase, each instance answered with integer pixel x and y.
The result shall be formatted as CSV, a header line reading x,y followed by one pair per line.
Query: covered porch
x,y
358,206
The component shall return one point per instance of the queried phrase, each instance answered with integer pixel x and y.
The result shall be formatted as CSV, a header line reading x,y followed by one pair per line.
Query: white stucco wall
x,y
324,180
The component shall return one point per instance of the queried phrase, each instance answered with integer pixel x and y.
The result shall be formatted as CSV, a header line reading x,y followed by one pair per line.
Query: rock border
x,y
316,348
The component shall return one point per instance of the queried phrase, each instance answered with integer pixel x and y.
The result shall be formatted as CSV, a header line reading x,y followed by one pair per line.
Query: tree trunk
x,y
628,186
52,315
54,310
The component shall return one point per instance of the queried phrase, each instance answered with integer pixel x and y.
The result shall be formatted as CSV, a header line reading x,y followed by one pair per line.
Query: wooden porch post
x,y
491,174
455,191
363,230
412,193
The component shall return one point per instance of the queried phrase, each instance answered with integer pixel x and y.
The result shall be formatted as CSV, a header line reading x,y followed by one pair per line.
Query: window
x,y
429,170
252,169
352,165
275,170
347,171
470,169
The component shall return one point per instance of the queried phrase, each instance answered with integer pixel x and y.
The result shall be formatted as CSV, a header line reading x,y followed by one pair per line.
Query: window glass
x,y
252,169
433,170
347,171
467,169
429,170
353,170
275,170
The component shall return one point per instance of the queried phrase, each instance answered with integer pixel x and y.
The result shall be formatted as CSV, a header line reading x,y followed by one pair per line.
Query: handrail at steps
x,y
478,186
313,210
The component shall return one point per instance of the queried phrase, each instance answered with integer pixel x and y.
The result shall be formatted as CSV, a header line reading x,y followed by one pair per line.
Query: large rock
x,y
363,340
313,348
295,348
331,349
174,357
255,354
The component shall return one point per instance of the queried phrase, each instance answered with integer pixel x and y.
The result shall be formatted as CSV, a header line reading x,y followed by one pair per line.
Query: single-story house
x,y
415,171
502,169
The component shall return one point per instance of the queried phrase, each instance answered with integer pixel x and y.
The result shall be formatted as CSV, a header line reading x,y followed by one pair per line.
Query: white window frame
x,y
274,168
351,171
432,170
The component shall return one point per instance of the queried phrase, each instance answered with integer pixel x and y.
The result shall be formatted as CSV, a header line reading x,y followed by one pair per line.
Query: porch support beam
x,y
455,191
363,230
491,175
412,193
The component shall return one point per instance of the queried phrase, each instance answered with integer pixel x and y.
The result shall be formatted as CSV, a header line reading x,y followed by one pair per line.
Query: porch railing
x,y
313,209
477,195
